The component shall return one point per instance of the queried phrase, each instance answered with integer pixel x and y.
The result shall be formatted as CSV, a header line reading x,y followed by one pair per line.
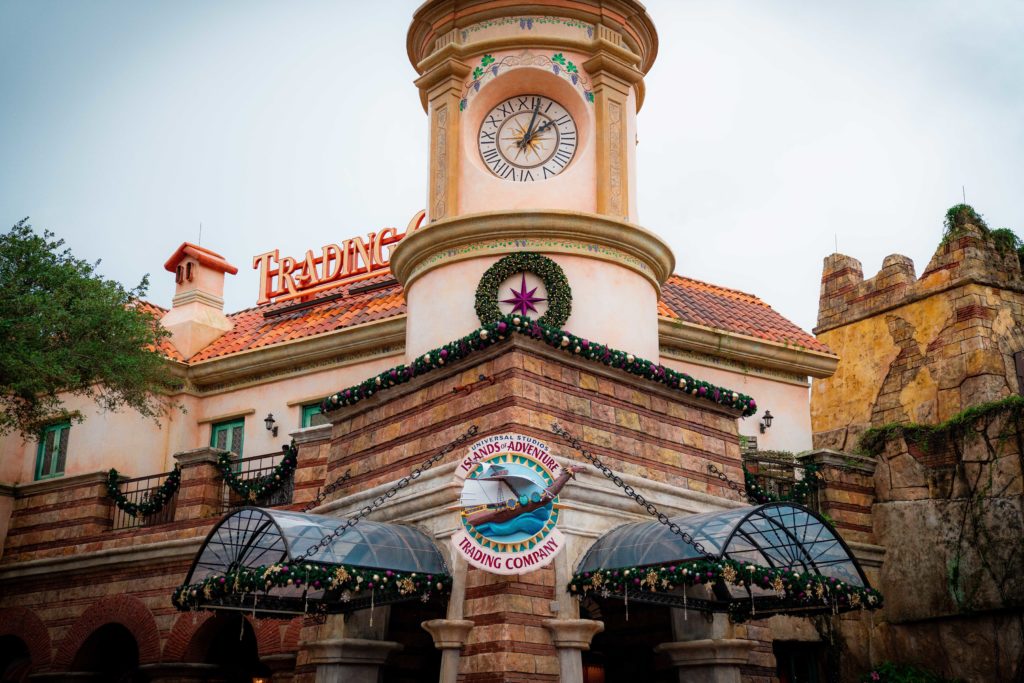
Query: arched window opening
x,y
15,659
111,651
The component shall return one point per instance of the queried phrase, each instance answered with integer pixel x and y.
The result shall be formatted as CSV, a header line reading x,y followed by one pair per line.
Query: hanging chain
x,y
327,490
387,495
630,492
731,484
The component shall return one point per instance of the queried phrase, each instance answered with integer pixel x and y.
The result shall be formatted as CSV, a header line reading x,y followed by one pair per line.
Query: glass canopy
x,y
252,539
775,535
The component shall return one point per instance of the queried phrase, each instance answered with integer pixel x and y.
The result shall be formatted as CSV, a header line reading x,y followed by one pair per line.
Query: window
x,y
53,450
311,415
229,435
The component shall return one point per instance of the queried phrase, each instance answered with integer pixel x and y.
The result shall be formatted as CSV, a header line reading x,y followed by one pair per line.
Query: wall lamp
x,y
272,426
766,421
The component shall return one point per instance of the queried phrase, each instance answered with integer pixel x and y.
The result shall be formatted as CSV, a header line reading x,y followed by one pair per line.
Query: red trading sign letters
x,y
286,278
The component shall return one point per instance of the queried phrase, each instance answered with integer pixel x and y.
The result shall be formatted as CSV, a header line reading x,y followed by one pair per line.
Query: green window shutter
x,y
311,415
52,455
229,435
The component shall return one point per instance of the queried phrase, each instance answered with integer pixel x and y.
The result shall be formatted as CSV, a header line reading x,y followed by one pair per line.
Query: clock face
x,y
527,138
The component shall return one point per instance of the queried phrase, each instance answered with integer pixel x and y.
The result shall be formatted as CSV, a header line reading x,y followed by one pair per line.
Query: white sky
x,y
771,129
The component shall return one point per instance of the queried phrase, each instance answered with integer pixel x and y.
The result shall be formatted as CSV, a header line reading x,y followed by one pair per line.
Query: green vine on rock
x,y
251,490
930,438
151,505
550,273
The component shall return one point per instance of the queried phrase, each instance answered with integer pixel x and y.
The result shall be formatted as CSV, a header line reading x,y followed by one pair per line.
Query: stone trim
x,y
7,490
867,554
760,353
136,554
461,238
198,296
827,456
226,416
57,483
196,456
329,346
314,434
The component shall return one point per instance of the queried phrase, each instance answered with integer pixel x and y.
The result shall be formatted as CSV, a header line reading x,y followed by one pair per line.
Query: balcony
x,y
138,491
251,470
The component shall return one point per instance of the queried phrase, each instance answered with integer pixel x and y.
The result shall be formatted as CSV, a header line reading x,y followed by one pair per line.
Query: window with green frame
x,y
53,450
311,415
229,435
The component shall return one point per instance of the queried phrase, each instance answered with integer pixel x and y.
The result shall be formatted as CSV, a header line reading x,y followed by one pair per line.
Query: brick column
x,y
314,446
847,493
201,490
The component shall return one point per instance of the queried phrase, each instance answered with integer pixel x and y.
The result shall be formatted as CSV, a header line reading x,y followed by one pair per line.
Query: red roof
x,y
731,310
380,298
205,256
272,324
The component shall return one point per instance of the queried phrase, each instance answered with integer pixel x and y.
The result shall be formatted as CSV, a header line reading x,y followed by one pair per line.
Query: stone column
x,y
705,650
613,73
449,636
849,493
282,666
441,90
571,637
201,490
349,660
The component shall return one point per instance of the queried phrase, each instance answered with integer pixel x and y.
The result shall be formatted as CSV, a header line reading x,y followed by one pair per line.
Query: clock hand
x,y
529,129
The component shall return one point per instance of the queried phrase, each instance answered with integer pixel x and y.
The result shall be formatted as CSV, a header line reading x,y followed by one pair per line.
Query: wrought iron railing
x,y
139,490
777,476
253,468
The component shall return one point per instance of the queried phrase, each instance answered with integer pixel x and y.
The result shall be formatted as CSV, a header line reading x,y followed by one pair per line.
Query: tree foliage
x,y
64,329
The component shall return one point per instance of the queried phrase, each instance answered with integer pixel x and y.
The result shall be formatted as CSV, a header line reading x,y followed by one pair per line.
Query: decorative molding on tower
x,y
499,233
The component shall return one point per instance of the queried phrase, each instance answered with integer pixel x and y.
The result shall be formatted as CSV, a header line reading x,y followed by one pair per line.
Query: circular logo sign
x,y
509,494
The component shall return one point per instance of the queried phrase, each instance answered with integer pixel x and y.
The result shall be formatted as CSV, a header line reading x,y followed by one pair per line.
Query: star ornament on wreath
x,y
524,300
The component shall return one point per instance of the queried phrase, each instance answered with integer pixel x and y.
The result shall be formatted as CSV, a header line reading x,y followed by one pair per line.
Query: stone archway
x,y
26,625
126,610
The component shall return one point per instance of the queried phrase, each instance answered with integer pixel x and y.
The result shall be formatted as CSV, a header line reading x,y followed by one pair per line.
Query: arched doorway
x,y
418,660
111,653
228,641
15,659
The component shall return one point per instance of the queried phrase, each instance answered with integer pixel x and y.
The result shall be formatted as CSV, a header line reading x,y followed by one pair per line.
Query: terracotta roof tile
x,y
263,326
731,310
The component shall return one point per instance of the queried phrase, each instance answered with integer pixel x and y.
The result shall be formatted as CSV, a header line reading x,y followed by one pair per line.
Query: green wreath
x,y
550,273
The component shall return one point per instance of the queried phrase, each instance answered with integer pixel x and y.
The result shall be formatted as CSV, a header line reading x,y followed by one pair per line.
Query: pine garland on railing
x,y
799,493
346,580
500,330
153,504
252,490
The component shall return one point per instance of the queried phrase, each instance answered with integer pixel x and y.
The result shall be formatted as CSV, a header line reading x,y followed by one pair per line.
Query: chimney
x,y
197,315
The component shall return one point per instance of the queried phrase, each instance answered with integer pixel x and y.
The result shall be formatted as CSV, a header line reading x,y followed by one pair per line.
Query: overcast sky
x,y
771,130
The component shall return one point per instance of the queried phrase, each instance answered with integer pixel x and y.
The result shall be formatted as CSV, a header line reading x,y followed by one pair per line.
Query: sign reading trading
x,y
287,278
510,487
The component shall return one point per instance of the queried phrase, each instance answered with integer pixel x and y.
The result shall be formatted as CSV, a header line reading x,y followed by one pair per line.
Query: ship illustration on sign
x,y
507,500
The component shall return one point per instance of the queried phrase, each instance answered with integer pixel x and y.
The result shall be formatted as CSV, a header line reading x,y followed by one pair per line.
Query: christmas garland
x,y
502,329
796,588
799,493
348,580
253,489
151,505
550,273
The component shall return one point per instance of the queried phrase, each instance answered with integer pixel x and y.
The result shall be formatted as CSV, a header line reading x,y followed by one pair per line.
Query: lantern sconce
x,y
271,423
766,421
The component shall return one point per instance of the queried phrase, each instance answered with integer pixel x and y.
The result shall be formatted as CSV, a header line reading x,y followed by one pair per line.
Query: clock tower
x,y
532,137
